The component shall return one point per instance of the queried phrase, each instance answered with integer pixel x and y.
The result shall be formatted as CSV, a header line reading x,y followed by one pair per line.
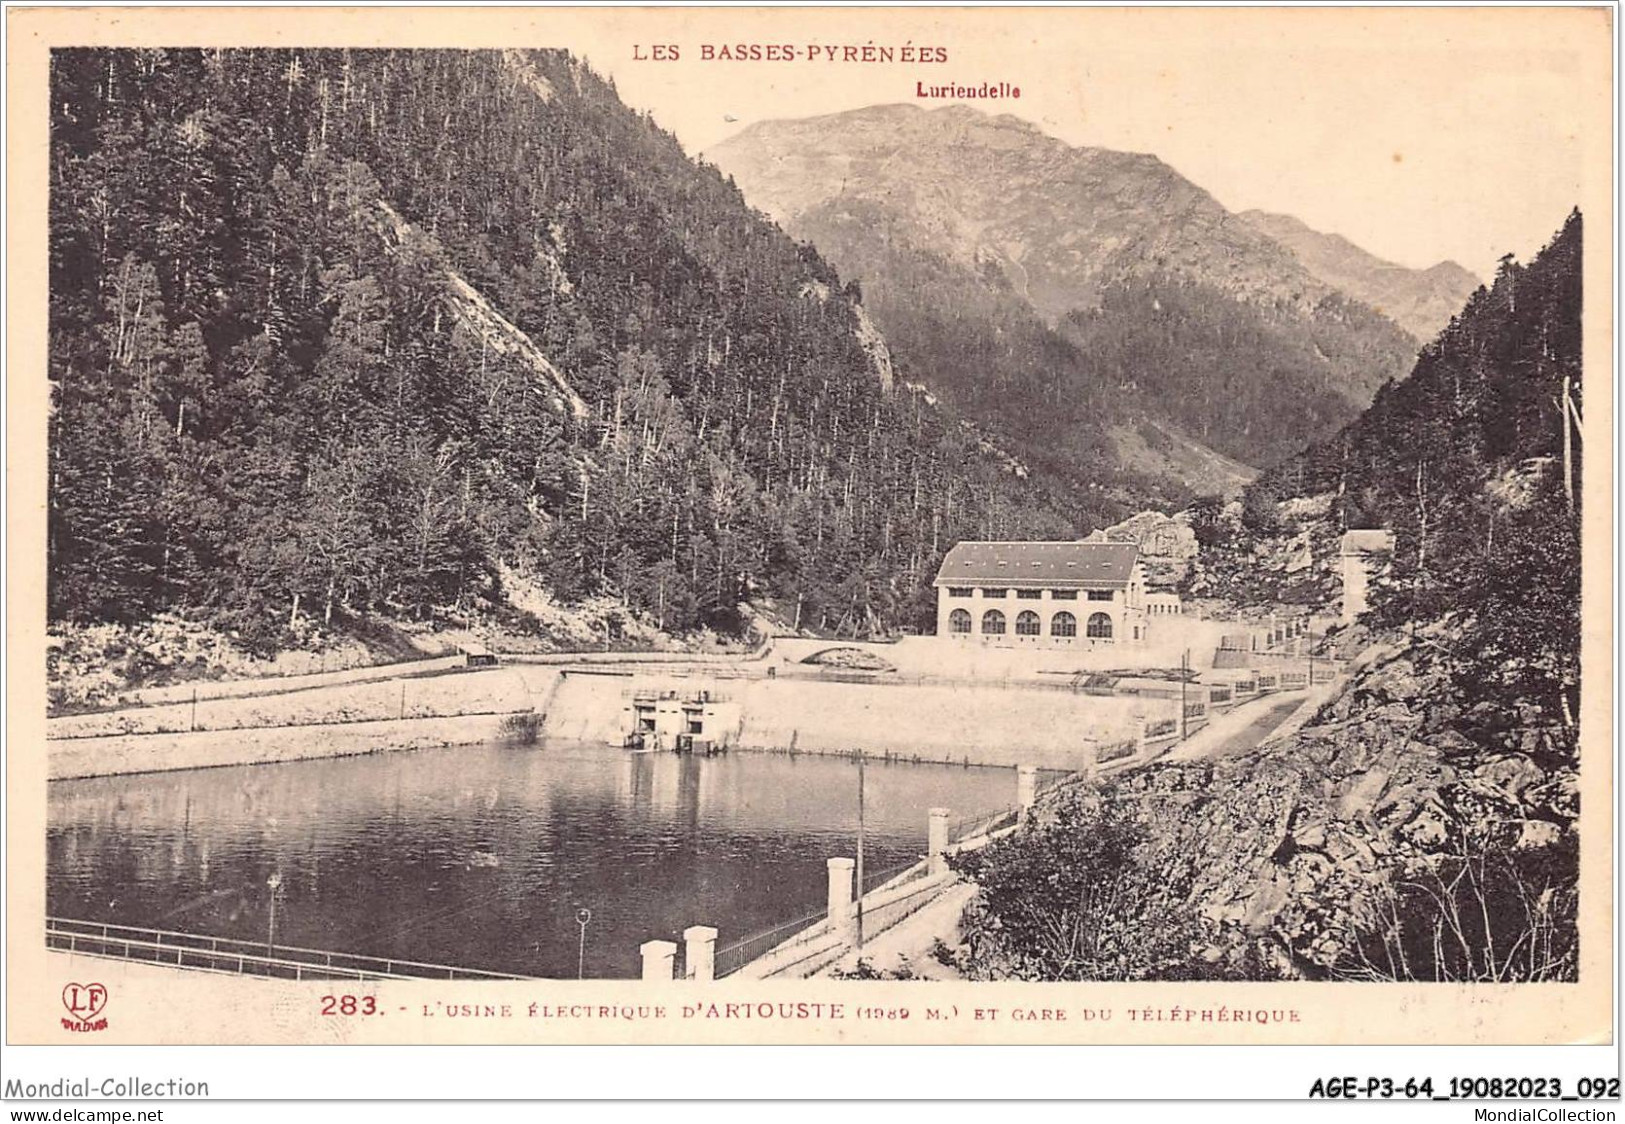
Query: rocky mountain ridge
x,y
1062,223
1072,291
1421,301
376,333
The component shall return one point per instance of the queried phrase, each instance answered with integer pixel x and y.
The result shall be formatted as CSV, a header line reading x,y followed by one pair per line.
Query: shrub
x,y
865,969
1494,915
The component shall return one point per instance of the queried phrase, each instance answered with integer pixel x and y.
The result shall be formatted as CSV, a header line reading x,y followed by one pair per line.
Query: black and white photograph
x,y
745,507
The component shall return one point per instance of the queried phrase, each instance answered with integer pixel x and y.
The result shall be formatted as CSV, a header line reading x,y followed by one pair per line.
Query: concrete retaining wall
x,y
476,691
987,725
275,684
960,724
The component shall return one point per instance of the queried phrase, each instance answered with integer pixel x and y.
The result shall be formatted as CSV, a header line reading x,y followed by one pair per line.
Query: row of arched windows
x,y
1098,627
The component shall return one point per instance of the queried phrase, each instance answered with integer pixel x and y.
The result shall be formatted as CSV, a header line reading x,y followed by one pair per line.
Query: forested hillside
x,y
1421,301
347,332
966,336
1466,461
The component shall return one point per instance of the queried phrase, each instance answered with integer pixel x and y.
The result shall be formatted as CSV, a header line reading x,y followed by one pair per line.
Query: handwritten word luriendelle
x,y
791,52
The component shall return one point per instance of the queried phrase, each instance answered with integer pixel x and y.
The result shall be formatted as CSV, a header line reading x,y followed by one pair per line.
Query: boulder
x,y
1160,537
1308,869
1512,774
1450,742
1559,796
1427,830
1267,900
1350,850
1359,794
1537,833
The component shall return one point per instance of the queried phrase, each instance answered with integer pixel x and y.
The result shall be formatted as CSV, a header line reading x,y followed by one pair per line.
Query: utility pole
x,y
1568,450
860,849
1310,630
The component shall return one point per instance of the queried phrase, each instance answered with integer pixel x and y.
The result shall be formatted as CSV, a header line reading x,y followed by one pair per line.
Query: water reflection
x,y
480,857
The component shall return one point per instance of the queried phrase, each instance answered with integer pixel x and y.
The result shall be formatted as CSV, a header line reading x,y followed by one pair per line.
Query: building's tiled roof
x,y
1100,565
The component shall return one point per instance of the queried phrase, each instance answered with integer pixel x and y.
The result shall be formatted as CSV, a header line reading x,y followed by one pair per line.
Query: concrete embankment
x,y
961,723
331,720
472,691
954,724
202,690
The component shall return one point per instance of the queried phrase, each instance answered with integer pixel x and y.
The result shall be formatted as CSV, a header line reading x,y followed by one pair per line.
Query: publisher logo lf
x,y
84,1002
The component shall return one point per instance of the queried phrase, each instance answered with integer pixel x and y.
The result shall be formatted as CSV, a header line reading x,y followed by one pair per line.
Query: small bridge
x,y
197,952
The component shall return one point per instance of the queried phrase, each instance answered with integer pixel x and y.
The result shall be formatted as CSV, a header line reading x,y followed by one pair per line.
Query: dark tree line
x,y
272,401
1253,382
972,340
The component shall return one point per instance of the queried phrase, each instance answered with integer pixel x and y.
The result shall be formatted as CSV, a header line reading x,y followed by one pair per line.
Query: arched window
x,y
1027,624
992,623
1063,624
1100,626
959,621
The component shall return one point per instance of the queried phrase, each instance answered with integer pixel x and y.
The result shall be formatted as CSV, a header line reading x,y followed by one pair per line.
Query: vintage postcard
x,y
737,525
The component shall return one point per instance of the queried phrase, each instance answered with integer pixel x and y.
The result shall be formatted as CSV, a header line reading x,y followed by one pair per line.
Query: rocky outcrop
x,y
480,317
1167,544
1292,561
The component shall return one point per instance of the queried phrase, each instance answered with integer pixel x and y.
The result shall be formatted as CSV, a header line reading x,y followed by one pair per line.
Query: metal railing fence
x,y
202,952
731,958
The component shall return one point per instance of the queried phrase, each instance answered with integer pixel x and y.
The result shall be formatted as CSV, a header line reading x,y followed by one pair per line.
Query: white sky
x,y
1419,135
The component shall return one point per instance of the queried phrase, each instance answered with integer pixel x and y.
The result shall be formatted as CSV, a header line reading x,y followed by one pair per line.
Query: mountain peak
x,y
1420,300
1061,221
992,254
1455,272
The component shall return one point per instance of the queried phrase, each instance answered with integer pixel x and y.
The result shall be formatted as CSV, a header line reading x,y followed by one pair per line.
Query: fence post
x,y
1026,787
936,834
842,917
700,953
659,958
